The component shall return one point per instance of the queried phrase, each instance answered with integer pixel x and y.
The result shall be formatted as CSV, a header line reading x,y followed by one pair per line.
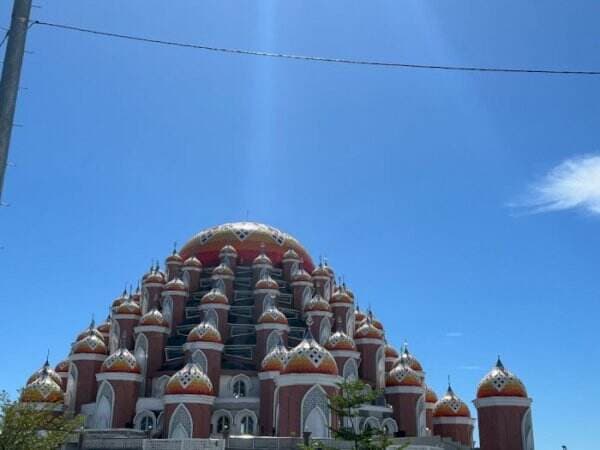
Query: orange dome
x,y
156,276
317,303
349,291
248,238
176,284
291,254
499,382
128,307
451,406
403,375
190,380
91,329
275,359
43,390
121,361
340,341
174,258
45,369
204,332
104,327
266,282
368,330
320,272
222,270
301,275
272,315
214,296
341,296
153,318
62,367
262,260
407,358
359,317
390,351
228,250
117,301
430,395
309,357
90,344
192,261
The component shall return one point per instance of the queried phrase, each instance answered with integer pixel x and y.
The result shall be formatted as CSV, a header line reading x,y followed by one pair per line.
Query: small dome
x,y
408,358
403,375
90,344
329,269
390,351
214,296
272,315
275,359
156,276
359,317
45,369
499,382
317,303
128,307
121,361
153,318
309,357
174,258
340,341
228,250
90,330
341,296
62,367
349,291
368,330
104,327
190,380
176,284
266,282
301,275
43,390
192,261
222,270
120,299
430,395
320,271
451,406
291,254
262,260
204,332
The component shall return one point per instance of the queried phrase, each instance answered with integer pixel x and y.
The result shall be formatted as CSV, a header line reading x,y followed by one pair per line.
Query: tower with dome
x,y
243,334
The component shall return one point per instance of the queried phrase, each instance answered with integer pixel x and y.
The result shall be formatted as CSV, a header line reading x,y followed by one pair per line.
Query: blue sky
x,y
419,186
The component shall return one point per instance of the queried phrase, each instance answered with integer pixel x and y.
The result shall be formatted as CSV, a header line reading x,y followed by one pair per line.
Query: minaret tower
x,y
452,419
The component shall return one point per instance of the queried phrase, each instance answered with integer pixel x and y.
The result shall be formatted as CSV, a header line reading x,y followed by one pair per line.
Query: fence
x,y
183,444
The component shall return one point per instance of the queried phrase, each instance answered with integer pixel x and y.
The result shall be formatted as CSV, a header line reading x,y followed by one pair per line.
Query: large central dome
x,y
248,238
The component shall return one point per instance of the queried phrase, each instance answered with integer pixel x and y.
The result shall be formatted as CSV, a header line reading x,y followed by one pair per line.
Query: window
x,y
325,330
220,286
223,424
168,309
146,423
315,412
272,341
199,359
247,425
239,389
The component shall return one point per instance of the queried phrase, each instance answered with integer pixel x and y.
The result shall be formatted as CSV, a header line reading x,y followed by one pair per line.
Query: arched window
x,y
223,424
327,290
239,388
210,315
389,427
315,412
370,423
115,336
220,286
350,322
307,295
145,421
199,358
527,431
181,424
325,330
167,309
421,417
350,371
71,387
141,355
104,406
380,361
272,341
247,425
294,268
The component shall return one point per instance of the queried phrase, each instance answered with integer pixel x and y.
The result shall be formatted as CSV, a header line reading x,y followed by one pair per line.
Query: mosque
x,y
241,334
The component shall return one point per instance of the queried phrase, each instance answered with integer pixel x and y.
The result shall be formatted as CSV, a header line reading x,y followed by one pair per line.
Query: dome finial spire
x,y
450,391
174,248
499,364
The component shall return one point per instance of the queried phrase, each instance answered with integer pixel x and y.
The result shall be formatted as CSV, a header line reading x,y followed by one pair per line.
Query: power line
x,y
314,58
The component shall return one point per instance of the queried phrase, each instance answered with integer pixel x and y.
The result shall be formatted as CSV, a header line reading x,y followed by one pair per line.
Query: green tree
x,y
25,427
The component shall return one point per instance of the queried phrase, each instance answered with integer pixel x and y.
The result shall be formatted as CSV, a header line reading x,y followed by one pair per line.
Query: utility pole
x,y
11,74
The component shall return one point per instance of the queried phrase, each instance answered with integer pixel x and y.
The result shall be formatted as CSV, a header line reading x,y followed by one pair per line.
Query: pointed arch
x,y
421,416
220,286
210,315
159,386
145,300
115,336
246,422
294,268
181,425
240,385
350,370
144,421
527,431
306,295
380,367
272,341
389,426
141,355
71,391
199,358
370,422
324,330
315,412
221,420
186,278
105,401
350,322
167,310
327,290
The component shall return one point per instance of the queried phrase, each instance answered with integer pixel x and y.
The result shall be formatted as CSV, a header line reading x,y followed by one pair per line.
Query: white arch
x,y
105,401
71,391
239,417
272,341
527,431
350,322
210,315
217,415
199,358
372,422
145,300
380,367
275,411
141,355
159,386
220,286
327,290
315,412
181,425
115,336
324,330
167,310
390,426
139,417
186,278
350,371
421,417
294,268
307,295
243,379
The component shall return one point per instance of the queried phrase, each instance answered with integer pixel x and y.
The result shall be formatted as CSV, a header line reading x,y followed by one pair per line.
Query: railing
x,y
183,444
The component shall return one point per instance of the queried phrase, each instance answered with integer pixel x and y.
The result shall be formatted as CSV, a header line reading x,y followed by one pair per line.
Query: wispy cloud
x,y
454,334
573,184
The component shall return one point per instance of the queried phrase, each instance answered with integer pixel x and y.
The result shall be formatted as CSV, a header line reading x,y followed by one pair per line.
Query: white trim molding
x,y
206,306
292,379
301,283
119,376
266,291
151,329
341,305
268,375
502,401
345,354
176,293
453,421
404,390
272,326
189,398
191,269
126,316
87,357
203,346
319,313
364,341
149,404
